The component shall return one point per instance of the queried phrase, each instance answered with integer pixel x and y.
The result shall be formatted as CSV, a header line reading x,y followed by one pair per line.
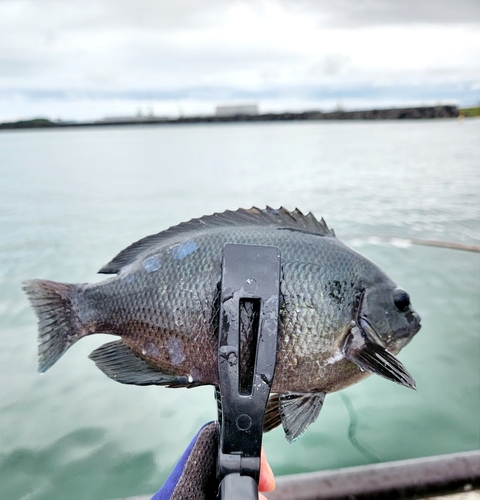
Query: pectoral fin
x,y
298,411
374,358
120,363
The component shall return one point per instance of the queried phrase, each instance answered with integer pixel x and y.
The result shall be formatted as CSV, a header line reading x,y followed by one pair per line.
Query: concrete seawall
x,y
415,113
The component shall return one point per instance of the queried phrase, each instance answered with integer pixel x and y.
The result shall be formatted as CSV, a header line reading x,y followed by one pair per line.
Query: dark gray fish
x,y
342,318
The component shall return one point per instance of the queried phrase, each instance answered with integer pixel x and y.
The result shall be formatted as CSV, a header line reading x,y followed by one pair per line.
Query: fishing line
x,y
352,429
401,241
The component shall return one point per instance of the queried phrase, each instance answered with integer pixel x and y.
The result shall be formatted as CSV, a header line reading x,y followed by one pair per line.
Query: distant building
x,y
241,109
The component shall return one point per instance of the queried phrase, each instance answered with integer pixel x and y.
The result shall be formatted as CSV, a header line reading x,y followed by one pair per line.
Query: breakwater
x,y
414,113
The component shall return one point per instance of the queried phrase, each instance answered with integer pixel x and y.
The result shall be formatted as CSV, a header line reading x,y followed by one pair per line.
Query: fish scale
x,y
163,303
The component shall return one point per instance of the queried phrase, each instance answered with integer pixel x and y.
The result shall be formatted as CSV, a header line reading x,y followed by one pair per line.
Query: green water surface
x,y
71,199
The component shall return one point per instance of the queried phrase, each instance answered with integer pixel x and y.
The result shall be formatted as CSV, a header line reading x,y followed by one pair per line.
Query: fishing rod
x,y
401,240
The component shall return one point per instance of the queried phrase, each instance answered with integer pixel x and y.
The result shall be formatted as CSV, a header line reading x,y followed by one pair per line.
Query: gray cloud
x,y
138,14
367,13
53,15
331,65
212,49
338,13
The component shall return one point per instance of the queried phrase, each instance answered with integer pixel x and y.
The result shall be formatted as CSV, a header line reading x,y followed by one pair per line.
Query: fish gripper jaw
x,y
250,283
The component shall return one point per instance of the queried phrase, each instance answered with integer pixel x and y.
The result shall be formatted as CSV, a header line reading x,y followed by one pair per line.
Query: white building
x,y
235,110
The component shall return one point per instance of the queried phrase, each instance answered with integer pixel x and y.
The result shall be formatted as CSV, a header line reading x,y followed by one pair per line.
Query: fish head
x,y
384,322
386,316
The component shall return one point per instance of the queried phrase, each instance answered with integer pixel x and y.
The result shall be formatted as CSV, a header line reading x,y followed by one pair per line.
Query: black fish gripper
x,y
250,295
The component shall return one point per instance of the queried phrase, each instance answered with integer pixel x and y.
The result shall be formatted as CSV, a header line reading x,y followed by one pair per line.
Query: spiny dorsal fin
x,y
281,218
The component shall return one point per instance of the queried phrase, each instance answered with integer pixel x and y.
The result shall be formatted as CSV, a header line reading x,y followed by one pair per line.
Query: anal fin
x,y
120,363
298,411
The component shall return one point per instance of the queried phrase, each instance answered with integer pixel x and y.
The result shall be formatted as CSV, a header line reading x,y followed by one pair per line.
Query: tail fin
x,y
58,323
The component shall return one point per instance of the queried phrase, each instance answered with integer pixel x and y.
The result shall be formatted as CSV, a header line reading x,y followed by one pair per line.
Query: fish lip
x,y
418,320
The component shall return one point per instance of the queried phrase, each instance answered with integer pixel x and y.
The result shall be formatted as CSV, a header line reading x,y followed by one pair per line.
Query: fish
x,y
341,317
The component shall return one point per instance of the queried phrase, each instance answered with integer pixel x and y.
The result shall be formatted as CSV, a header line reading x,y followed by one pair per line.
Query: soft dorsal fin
x,y
281,218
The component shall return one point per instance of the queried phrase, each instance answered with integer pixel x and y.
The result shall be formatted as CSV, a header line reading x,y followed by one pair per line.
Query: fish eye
x,y
401,299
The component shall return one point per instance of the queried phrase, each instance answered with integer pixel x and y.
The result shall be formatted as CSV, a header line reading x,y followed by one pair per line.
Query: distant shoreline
x,y
413,113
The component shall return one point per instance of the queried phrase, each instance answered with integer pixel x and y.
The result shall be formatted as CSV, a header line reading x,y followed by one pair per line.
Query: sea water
x,y
71,199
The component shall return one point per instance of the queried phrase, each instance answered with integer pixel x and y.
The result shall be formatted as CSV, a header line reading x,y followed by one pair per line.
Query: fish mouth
x,y
364,347
415,322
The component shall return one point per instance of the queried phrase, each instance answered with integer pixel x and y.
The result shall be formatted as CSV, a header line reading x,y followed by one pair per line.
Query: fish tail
x,y
58,323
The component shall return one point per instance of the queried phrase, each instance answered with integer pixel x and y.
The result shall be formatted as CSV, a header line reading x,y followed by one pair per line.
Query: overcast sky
x,y
89,59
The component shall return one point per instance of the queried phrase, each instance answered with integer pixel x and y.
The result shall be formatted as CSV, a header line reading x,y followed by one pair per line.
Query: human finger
x,y
267,479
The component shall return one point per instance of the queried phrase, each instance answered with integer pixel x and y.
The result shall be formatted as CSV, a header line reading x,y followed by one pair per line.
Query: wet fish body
x,y
341,317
